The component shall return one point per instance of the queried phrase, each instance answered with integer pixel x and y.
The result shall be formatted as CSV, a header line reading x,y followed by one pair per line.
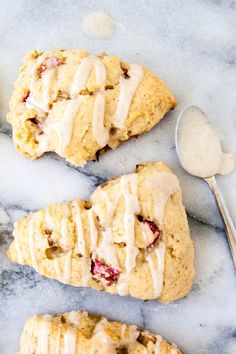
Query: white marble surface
x,y
191,45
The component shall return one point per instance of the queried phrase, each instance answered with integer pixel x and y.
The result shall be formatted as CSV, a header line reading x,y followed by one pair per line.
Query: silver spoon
x,y
199,150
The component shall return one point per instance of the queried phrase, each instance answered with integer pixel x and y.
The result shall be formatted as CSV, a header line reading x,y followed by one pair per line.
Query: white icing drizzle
x,y
129,184
64,226
48,78
93,230
82,74
132,334
157,345
64,127
16,233
70,340
101,342
123,329
30,335
100,133
79,228
86,266
56,264
162,185
31,102
157,271
48,219
127,189
44,335
32,243
123,284
157,348
57,344
174,351
128,88
111,206
107,248
146,233
67,267
64,238
73,317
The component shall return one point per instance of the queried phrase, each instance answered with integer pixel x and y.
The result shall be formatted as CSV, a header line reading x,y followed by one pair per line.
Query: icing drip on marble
x,y
98,24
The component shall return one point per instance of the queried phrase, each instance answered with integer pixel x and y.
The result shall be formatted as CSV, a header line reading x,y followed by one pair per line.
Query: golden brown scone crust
x,y
151,101
83,333
53,244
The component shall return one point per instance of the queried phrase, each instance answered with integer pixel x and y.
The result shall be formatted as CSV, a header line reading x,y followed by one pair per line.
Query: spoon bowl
x,y
197,143
199,150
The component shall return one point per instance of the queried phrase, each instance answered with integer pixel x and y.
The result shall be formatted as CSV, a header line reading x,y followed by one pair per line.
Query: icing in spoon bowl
x,y
200,153
198,145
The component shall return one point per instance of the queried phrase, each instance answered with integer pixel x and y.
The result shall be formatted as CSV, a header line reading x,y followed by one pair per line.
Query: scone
x,y
78,104
82,333
132,238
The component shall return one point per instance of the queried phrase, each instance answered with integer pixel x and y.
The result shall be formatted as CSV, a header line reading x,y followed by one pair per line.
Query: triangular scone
x,y
83,333
79,104
131,239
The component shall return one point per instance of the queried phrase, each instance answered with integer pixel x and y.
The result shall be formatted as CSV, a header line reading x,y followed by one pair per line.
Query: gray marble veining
x,y
191,45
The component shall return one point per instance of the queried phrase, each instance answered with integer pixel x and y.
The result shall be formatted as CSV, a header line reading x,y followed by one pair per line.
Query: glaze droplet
x,y
98,24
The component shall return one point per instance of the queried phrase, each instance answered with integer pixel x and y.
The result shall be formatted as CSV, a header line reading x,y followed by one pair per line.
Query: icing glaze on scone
x,y
132,239
76,104
83,333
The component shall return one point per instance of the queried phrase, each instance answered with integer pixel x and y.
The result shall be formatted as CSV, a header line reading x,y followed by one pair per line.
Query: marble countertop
x,y
191,45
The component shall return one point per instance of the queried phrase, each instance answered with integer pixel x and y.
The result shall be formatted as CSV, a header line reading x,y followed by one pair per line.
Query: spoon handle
x,y
229,226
